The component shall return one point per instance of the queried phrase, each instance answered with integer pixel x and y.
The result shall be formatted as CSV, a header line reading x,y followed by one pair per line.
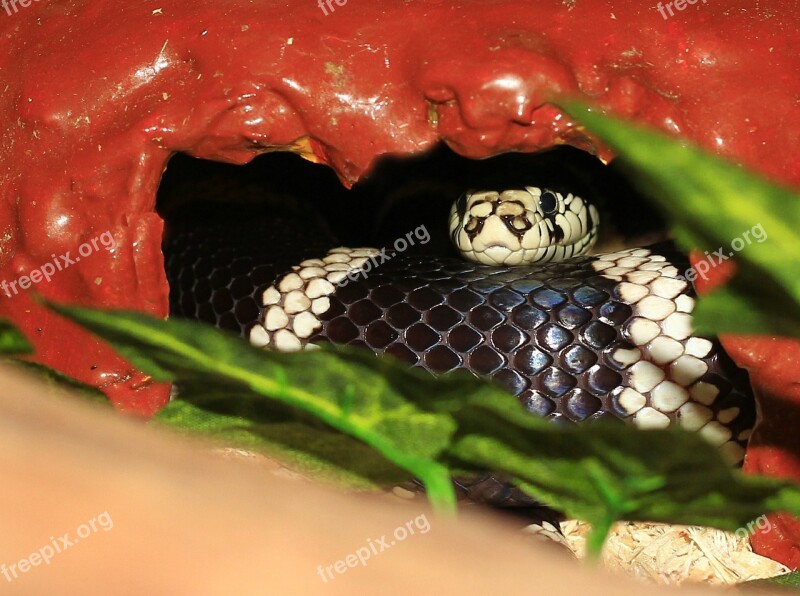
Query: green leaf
x,y
12,341
717,206
733,312
247,422
359,398
608,472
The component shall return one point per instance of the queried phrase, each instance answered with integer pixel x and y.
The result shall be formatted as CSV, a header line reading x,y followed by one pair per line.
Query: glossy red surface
x,y
96,96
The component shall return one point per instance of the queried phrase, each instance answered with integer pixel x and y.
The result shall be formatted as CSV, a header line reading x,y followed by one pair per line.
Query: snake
x,y
574,334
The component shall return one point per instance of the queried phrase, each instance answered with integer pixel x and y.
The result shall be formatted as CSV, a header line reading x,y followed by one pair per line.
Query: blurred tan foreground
x,y
171,518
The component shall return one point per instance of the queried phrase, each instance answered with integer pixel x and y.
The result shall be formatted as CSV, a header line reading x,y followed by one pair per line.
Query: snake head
x,y
521,227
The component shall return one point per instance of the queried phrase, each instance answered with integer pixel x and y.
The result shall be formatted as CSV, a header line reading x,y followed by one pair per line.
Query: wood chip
x,y
672,554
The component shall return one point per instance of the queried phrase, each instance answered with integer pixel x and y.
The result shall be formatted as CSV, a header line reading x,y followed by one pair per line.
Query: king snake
x,y
575,336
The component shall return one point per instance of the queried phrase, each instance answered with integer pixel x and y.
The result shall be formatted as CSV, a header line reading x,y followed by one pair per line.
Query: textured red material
x,y
96,96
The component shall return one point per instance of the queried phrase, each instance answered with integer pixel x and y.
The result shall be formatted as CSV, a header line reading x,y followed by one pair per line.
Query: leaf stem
x,y
597,538
614,503
441,494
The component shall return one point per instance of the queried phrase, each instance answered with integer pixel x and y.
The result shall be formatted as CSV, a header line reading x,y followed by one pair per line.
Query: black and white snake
x,y
575,337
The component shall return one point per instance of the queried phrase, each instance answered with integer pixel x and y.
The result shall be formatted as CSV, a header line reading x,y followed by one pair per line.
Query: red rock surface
x,y
96,96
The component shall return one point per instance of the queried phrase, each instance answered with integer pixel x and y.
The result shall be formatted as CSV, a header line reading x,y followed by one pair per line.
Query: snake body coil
x,y
603,336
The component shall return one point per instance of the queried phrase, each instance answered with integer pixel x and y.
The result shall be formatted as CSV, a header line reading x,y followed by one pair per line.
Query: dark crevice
x,y
400,193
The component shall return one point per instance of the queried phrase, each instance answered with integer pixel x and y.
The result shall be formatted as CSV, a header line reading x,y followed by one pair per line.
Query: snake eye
x,y
548,202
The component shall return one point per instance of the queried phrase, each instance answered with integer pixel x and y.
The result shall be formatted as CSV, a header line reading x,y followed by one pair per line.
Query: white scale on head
x,y
520,227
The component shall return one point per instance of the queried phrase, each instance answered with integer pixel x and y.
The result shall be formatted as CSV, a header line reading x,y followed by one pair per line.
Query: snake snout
x,y
495,234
